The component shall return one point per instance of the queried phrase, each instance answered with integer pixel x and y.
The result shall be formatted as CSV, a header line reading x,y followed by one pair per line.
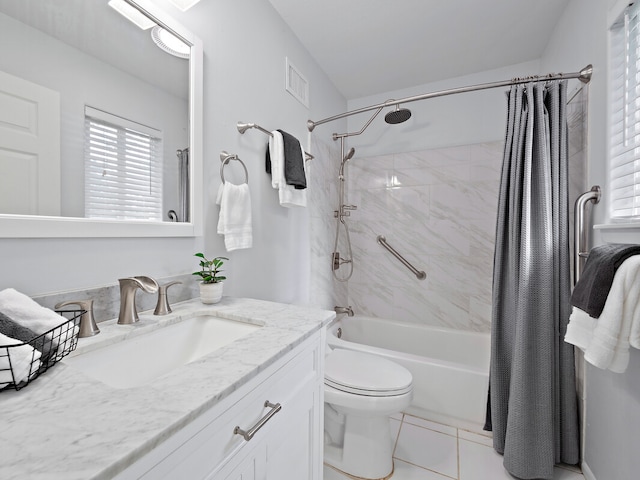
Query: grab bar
x,y
580,249
419,274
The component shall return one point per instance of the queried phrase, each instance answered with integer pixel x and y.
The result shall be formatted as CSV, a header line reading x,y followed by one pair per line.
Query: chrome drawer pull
x,y
248,435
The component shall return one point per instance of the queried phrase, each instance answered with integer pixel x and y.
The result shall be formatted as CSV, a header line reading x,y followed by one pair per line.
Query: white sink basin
x,y
139,360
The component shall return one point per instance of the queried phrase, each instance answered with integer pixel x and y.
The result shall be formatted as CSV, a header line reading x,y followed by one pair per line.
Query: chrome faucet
x,y
128,287
348,310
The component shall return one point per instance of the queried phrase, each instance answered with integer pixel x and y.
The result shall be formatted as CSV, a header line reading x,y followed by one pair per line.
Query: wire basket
x,y
18,369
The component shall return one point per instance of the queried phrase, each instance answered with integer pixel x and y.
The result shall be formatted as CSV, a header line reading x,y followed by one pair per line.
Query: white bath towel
x,y
25,311
234,221
605,341
288,195
21,360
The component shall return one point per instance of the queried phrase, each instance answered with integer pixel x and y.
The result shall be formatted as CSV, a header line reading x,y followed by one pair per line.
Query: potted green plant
x,y
211,284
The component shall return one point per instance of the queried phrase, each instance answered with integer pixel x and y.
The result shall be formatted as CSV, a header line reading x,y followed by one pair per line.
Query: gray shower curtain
x,y
533,403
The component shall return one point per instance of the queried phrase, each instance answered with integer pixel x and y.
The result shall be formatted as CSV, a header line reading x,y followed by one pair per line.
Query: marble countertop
x,y
66,425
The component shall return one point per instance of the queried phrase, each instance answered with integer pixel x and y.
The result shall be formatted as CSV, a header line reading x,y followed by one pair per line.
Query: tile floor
x,y
426,450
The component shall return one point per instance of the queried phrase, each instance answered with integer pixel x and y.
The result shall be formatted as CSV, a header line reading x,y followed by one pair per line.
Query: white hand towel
x,y
612,332
25,311
234,221
580,329
18,360
288,195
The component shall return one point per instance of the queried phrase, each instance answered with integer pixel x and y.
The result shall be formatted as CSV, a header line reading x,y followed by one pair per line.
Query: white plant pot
x,y
211,292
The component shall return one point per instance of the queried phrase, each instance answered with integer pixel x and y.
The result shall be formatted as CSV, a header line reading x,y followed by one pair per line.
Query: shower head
x,y
398,115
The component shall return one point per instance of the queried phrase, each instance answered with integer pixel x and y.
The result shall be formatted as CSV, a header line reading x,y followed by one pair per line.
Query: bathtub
x,y
450,367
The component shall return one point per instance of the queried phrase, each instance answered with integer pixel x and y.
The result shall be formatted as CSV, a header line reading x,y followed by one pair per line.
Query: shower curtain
x,y
532,395
183,185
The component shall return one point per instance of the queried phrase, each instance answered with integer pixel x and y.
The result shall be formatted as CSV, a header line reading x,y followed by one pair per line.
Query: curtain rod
x,y
583,75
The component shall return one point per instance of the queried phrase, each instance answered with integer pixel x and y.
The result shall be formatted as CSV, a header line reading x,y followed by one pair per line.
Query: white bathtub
x,y
450,368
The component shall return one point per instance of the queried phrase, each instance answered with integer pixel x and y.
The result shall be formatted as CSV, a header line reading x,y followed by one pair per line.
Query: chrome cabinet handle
x,y
248,434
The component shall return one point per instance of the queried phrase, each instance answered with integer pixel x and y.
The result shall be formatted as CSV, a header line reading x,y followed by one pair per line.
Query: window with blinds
x,y
624,180
123,168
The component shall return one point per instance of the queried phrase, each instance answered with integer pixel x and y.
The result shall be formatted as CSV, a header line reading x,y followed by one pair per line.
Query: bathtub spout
x,y
348,310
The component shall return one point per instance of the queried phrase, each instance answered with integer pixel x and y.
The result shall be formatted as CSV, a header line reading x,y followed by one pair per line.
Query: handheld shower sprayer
x,y
346,158
349,154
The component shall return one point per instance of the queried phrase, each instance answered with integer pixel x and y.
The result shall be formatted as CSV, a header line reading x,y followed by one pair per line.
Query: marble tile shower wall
x,y
325,291
577,121
437,208
577,124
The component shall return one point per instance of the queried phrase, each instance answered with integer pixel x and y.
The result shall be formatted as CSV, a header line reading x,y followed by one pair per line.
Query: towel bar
x,y
243,127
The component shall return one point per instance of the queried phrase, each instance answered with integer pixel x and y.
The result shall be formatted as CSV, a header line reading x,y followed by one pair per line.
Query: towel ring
x,y
225,158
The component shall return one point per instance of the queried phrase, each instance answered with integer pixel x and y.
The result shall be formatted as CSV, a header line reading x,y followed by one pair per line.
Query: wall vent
x,y
296,84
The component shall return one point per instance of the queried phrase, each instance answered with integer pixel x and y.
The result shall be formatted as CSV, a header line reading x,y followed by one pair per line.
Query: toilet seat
x,y
364,374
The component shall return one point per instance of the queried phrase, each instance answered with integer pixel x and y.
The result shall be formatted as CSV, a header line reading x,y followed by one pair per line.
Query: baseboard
x,y
586,471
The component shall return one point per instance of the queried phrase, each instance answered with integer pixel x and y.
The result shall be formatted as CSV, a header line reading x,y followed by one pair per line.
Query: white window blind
x,y
625,116
123,168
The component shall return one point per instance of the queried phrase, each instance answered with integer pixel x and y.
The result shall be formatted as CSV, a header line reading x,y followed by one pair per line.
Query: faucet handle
x,y
163,307
88,327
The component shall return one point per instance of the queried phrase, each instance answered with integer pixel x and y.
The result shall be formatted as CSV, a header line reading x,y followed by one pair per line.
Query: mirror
x,y
96,110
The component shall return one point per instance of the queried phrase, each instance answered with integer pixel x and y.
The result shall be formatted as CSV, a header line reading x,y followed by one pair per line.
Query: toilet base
x,y
327,465
367,450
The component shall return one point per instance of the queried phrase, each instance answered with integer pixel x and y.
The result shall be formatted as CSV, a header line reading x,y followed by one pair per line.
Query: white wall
x,y
245,45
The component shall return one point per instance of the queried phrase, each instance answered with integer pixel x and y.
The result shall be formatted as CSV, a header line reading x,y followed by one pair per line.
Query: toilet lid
x,y
365,374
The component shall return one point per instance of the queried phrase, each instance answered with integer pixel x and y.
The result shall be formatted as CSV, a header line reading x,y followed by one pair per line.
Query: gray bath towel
x,y
14,330
591,291
293,162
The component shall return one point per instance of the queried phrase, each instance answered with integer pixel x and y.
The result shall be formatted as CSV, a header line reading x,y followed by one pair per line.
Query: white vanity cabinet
x,y
288,445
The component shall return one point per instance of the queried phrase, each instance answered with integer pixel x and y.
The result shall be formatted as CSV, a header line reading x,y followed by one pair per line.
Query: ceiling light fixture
x,y
132,14
184,5
168,42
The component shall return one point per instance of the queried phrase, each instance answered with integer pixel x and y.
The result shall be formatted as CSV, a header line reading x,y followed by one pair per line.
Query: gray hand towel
x,y
591,291
293,162
14,330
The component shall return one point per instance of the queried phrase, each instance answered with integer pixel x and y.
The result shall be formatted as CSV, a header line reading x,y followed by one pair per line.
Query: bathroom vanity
x,y
188,422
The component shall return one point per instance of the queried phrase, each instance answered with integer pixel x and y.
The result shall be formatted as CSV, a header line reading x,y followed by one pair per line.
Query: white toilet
x,y
361,391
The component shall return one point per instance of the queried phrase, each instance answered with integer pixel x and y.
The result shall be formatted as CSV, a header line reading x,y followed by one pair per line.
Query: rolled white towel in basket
x,y
25,311
17,359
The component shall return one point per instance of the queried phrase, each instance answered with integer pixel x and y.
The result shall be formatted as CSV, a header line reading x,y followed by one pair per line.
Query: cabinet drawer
x,y
212,446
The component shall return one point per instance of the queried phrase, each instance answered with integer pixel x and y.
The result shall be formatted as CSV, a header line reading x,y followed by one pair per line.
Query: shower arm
x,y
336,136
583,75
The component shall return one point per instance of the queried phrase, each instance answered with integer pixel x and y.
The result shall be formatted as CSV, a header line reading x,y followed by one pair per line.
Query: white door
x,y
29,148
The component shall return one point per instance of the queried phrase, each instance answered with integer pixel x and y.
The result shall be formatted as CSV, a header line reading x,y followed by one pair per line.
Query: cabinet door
x,y
293,449
250,468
